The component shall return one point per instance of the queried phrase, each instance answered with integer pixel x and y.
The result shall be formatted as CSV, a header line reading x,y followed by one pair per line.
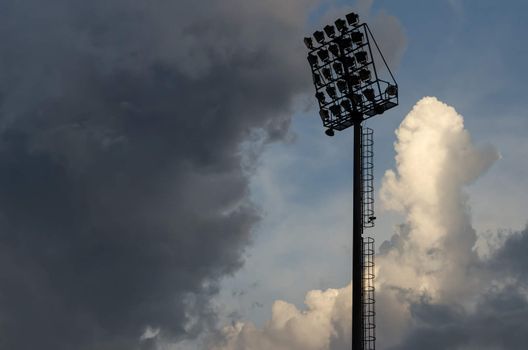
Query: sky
x,y
165,181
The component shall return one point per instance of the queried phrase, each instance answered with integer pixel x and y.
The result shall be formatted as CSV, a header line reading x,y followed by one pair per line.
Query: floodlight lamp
x,y
357,99
317,79
329,30
327,73
379,109
312,59
357,37
348,62
352,18
334,49
369,94
320,97
361,57
364,74
342,86
341,25
329,132
309,43
392,90
335,109
319,36
323,55
354,80
338,68
347,106
345,44
331,91
324,114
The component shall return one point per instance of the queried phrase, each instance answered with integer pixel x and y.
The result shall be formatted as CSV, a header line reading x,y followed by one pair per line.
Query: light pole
x,y
349,91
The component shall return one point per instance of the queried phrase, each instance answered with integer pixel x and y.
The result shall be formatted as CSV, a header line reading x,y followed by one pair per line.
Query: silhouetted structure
x,y
349,91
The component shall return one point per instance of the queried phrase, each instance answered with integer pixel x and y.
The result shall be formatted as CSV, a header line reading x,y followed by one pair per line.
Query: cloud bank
x,y
435,290
122,196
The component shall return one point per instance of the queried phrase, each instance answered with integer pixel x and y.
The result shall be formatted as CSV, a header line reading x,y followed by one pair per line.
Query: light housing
x,y
361,57
345,44
347,106
357,37
335,109
320,97
317,79
392,90
319,36
352,18
369,94
348,62
327,73
334,49
329,30
338,68
323,113
342,86
341,25
364,74
323,55
309,43
331,91
312,59
354,80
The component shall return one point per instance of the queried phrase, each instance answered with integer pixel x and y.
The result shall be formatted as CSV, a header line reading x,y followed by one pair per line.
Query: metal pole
x,y
357,233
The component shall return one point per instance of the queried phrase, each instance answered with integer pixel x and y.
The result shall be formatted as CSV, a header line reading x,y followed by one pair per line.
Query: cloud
x,y
122,196
324,324
433,290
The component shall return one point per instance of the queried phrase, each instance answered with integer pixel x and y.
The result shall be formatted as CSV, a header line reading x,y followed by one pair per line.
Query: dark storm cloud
x,y
122,198
498,318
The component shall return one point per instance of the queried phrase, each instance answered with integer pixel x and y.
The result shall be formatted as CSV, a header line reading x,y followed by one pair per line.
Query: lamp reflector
x,y
364,74
347,106
327,73
338,68
369,94
319,36
357,99
392,90
329,30
324,114
323,55
317,79
334,49
320,97
357,37
341,25
309,43
345,44
312,59
361,57
335,109
348,62
379,109
342,86
352,18
354,80
331,91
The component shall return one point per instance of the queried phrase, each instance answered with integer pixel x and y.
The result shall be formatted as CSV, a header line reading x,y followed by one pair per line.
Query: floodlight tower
x,y
343,69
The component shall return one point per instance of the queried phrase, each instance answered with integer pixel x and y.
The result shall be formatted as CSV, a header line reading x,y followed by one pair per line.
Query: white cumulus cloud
x,y
324,324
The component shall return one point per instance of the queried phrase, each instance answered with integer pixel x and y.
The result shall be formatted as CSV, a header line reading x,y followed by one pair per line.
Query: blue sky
x,y
470,55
